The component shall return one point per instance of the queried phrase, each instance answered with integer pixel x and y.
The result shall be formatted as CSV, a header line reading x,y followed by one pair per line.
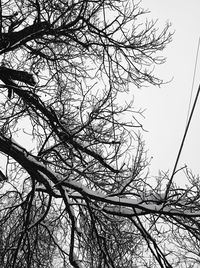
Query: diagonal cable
x,y
182,143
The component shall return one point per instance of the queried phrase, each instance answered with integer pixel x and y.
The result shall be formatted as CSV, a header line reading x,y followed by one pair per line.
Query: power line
x,y
182,143
193,79
187,126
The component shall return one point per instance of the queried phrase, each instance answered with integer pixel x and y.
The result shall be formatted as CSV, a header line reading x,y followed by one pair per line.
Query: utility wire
x,y
186,129
182,143
193,79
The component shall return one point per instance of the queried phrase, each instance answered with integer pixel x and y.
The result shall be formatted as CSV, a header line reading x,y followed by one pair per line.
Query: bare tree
x,y
75,190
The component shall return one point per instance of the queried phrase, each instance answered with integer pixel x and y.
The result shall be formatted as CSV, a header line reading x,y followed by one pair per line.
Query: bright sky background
x,y
167,107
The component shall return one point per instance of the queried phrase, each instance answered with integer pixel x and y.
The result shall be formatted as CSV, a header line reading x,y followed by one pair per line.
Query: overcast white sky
x,y
167,107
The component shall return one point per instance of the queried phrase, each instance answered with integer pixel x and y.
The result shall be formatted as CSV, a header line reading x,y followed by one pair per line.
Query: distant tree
x,y
75,190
